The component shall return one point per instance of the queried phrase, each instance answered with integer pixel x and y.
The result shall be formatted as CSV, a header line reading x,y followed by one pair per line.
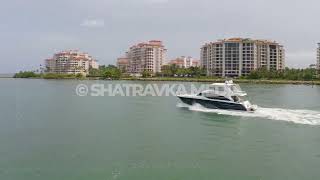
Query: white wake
x,y
296,116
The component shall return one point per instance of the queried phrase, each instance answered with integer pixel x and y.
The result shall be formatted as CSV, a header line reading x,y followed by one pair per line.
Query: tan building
x,y
196,63
148,56
237,56
185,62
70,62
123,64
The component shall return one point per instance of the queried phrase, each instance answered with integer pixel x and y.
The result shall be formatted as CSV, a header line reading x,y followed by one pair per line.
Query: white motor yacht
x,y
220,96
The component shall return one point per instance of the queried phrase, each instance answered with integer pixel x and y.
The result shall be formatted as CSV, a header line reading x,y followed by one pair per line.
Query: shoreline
x,y
206,80
249,81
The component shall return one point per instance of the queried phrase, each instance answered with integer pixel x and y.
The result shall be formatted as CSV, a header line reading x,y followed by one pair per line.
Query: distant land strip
x,y
208,80
6,75
182,79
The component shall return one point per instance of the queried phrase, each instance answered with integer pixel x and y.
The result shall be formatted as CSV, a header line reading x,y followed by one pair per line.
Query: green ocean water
x,y
48,132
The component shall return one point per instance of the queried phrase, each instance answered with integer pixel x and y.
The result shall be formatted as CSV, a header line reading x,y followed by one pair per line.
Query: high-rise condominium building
x,y
70,62
123,64
237,57
318,57
185,62
146,57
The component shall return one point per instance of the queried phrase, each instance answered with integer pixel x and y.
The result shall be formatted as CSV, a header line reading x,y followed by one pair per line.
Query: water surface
x,y
48,132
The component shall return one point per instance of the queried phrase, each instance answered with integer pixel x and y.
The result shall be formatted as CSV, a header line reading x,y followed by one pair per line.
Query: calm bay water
x,y
47,132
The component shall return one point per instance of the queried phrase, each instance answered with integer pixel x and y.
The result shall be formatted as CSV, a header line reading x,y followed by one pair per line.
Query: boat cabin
x,y
224,91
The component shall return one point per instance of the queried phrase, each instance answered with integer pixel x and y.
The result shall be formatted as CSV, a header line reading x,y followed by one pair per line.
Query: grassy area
x,y
32,75
62,76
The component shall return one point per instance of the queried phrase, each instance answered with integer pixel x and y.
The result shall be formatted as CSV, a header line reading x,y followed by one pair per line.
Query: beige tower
x,y
148,56
237,56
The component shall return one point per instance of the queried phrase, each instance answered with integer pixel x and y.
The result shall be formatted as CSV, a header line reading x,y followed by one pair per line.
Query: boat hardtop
x,y
227,89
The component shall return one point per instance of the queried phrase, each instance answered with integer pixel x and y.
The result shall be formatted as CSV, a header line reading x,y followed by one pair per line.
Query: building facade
x,y
70,62
123,64
148,56
185,62
238,57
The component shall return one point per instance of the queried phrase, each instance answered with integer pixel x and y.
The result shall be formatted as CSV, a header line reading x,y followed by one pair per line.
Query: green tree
x,y
79,76
287,73
26,74
166,71
95,72
146,73
111,72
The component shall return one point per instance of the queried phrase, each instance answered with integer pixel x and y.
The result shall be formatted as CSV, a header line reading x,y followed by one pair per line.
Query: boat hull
x,y
213,104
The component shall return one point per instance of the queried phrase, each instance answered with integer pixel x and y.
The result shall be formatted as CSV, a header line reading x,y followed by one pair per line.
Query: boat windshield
x,y
236,88
238,99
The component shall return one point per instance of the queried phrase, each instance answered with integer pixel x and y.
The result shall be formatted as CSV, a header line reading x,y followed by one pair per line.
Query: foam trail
x,y
296,116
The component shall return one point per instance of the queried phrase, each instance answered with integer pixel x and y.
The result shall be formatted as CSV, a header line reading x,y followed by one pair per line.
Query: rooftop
x,y
74,54
123,60
238,39
157,43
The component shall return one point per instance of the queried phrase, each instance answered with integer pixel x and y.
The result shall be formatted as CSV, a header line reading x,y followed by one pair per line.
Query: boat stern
x,y
249,106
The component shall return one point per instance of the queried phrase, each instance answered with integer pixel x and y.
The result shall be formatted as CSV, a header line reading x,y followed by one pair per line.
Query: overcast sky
x,y
32,30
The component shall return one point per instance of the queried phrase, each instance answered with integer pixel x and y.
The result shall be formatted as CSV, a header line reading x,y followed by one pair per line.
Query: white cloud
x,y
92,23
